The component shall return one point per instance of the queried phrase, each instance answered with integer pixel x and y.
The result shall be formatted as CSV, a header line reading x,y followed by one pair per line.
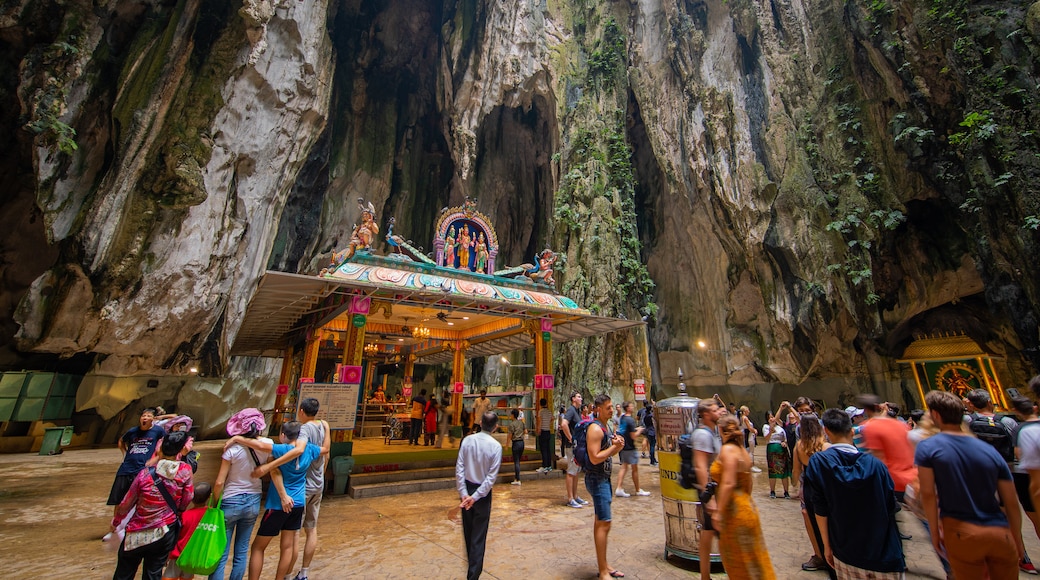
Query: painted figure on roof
x,y
465,241
543,272
482,254
449,248
362,236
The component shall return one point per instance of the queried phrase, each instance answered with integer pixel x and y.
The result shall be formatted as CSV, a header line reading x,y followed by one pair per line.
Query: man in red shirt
x,y
886,439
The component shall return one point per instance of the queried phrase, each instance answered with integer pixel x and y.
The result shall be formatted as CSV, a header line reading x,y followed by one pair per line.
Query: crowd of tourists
x,y
155,485
961,468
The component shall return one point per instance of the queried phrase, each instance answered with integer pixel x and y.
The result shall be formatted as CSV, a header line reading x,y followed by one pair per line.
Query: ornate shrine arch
x,y
464,239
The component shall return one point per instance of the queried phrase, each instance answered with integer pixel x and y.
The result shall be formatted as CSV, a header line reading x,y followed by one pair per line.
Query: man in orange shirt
x,y
886,439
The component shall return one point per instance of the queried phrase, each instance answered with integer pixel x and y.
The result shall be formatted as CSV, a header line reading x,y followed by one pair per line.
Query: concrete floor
x,y
52,516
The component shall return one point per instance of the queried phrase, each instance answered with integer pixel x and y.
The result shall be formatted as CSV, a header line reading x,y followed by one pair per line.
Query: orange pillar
x,y
353,355
543,364
409,370
458,373
283,379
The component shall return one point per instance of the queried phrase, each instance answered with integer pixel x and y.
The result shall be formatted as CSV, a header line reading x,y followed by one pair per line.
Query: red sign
x,y
406,391
350,375
639,385
544,382
458,388
360,304
307,380
282,390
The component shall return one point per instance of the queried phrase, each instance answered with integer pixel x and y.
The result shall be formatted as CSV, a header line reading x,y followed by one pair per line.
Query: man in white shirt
x,y
480,456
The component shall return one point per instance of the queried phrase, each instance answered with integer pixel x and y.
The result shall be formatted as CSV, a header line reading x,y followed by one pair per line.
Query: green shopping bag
x,y
206,545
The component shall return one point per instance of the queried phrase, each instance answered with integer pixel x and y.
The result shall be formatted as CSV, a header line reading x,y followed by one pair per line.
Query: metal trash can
x,y
341,468
676,419
54,438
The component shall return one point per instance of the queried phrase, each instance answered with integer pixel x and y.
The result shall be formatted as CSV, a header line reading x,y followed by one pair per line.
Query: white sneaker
x,y
756,469
515,482
621,493
641,492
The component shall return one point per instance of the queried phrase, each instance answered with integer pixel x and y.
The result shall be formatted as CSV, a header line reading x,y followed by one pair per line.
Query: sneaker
x,y
756,469
621,493
814,563
772,495
581,501
642,454
641,492
574,504
515,482
787,495
540,470
1026,566
653,464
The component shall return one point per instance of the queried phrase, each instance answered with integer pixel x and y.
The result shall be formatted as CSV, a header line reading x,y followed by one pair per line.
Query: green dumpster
x,y
54,438
341,468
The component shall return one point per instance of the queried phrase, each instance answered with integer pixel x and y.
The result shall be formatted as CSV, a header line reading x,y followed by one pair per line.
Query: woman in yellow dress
x,y
741,546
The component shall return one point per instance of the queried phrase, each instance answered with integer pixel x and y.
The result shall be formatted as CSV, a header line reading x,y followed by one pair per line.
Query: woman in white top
x,y
240,500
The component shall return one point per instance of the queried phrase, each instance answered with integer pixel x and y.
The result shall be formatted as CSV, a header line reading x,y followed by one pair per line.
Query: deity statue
x,y
362,236
449,248
956,384
465,241
482,254
543,272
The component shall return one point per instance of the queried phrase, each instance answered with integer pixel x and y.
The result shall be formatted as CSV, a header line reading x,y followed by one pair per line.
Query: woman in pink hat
x,y
239,491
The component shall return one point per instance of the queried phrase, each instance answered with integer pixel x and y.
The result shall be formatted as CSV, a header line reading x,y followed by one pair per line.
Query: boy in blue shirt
x,y
286,498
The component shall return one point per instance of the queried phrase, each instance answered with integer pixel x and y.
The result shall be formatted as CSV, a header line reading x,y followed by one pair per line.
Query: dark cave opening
x,y
513,177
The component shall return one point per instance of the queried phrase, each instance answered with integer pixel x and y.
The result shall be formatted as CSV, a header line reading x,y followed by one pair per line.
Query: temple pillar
x,y
458,373
354,345
543,364
409,370
283,381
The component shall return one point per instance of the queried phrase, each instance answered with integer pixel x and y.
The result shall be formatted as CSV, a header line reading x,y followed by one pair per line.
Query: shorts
x,y
120,486
311,509
602,495
1022,490
705,519
275,522
572,466
629,456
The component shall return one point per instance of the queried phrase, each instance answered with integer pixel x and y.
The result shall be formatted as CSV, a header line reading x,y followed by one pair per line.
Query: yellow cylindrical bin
x,y
676,420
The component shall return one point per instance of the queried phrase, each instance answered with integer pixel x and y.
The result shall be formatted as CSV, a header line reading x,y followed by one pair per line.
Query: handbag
x,y
207,543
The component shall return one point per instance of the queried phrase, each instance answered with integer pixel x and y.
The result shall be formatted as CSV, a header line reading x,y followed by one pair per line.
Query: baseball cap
x,y
853,411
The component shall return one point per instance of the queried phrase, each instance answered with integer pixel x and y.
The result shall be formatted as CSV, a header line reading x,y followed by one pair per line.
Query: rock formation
x,y
804,185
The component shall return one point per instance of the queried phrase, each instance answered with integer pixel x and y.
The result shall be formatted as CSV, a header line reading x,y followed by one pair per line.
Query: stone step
x,y
386,488
424,472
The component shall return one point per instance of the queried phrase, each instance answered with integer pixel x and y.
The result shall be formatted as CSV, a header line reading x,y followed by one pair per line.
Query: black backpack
x,y
687,473
581,447
993,431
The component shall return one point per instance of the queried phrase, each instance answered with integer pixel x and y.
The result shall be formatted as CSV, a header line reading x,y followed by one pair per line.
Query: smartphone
x,y
1013,392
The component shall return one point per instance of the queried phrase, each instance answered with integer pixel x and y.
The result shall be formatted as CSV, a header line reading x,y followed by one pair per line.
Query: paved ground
x,y
52,515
